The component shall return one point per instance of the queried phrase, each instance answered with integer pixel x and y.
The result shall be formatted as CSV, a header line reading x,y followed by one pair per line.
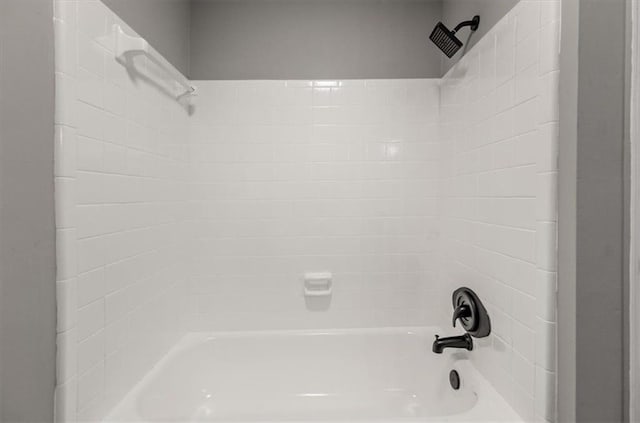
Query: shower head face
x,y
445,40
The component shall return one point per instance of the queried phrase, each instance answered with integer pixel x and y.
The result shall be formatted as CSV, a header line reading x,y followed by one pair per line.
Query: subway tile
x,y
66,11
92,18
545,394
547,197
90,121
546,245
549,60
91,60
549,98
90,319
526,84
489,197
90,352
65,58
547,152
65,100
67,309
89,88
91,287
524,373
549,11
67,344
90,386
66,201
546,292
65,151
527,52
66,396
527,17
66,252
546,345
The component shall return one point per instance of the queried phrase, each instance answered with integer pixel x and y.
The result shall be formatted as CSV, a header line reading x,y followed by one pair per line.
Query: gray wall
x,y
164,23
27,237
305,39
302,39
456,11
593,202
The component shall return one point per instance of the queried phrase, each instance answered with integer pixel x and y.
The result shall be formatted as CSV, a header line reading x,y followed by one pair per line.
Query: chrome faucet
x,y
464,341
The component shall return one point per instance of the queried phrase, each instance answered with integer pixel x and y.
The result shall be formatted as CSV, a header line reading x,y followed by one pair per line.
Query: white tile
x,y
66,396
66,201
91,59
92,18
547,197
91,253
499,208
91,386
66,252
549,11
524,373
117,305
545,394
66,304
547,152
90,154
90,352
527,52
65,58
546,245
66,10
65,151
546,345
90,319
91,287
526,84
121,188
65,103
67,344
548,99
527,18
546,291
550,55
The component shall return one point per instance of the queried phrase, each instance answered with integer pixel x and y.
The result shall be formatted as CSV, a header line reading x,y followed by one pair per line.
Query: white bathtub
x,y
382,375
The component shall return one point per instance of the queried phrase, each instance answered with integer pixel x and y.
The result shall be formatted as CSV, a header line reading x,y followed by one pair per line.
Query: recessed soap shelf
x,y
318,284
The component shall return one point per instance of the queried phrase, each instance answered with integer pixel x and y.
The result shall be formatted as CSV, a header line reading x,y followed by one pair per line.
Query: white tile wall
x,y
308,176
122,216
499,167
392,185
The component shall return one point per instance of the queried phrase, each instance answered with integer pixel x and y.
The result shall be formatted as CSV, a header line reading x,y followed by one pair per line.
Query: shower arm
x,y
473,23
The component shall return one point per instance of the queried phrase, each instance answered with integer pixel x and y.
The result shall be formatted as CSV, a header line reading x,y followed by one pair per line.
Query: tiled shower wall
x,y
315,176
500,138
121,216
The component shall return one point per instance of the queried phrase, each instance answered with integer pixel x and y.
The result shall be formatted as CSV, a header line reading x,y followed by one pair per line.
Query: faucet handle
x,y
463,310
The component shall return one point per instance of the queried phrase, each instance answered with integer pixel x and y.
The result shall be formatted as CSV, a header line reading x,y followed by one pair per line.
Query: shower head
x,y
446,40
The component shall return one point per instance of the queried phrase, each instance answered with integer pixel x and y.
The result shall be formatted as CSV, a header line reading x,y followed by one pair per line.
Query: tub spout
x,y
465,341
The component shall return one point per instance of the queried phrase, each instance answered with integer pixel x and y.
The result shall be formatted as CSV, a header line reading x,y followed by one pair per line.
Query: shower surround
x,y
499,138
403,189
313,176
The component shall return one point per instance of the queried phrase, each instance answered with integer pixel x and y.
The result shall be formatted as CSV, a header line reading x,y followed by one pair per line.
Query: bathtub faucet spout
x,y
465,341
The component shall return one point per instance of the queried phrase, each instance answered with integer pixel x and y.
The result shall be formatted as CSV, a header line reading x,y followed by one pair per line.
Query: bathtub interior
x,y
386,375
173,224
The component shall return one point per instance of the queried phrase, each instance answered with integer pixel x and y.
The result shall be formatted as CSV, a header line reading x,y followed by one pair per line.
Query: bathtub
x,y
382,375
